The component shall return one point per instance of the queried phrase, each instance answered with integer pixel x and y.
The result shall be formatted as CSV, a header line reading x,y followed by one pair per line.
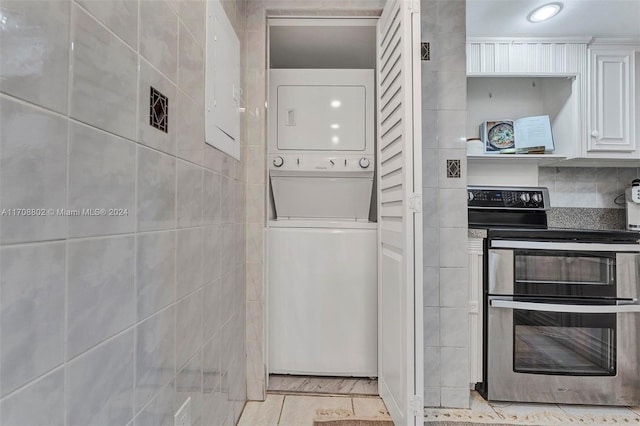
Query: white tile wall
x,y
155,355
41,403
445,213
102,172
38,75
120,16
34,299
103,77
116,319
159,36
100,290
33,147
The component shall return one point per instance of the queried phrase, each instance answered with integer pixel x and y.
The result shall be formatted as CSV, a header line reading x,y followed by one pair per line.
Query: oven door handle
x,y
555,307
547,245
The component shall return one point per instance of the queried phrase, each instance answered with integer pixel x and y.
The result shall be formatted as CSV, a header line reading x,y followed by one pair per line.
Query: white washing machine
x,y
322,248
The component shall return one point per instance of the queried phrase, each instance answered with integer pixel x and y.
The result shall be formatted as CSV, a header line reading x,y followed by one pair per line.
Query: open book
x,y
525,135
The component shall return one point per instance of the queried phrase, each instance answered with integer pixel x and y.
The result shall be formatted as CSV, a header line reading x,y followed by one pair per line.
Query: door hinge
x,y
417,405
415,203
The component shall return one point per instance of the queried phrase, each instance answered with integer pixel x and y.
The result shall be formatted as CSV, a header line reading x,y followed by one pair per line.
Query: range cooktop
x,y
565,234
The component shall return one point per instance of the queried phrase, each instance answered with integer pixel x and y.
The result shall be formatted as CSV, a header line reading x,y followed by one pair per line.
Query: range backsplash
x,y
586,187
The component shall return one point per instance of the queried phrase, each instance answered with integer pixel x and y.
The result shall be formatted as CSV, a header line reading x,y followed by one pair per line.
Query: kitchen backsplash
x,y
586,187
586,218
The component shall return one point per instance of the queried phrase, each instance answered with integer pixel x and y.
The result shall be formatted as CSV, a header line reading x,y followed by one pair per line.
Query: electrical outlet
x,y
183,415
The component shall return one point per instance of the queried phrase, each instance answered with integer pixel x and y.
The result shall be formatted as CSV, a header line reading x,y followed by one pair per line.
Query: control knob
x,y
537,198
470,195
364,162
278,161
525,197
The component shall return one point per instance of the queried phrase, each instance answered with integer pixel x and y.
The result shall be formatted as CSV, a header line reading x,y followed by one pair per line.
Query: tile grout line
x,y
281,410
70,74
136,319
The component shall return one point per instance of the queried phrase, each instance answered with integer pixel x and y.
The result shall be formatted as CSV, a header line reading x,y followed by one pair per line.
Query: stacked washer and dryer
x,y
322,234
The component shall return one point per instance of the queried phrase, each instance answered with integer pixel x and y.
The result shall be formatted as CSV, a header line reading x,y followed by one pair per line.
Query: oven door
x,y
557,353
563,270
562,323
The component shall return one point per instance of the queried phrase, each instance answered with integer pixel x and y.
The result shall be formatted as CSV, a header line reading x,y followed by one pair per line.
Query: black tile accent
x,y
453,168
425,51
159,110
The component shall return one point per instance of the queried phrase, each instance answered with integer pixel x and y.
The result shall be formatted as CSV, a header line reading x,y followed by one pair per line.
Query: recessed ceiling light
x,y
336,104
545,12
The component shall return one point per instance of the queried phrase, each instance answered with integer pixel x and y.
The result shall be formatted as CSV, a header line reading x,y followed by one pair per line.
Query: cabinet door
x,y
612,101
476,298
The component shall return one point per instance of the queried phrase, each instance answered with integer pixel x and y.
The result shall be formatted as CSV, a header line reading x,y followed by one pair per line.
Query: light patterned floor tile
x,y
483,412
302,410
594,415
265,413
531,414
372,408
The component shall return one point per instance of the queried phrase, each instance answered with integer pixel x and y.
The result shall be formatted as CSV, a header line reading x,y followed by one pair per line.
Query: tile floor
x,y
483,412
301,410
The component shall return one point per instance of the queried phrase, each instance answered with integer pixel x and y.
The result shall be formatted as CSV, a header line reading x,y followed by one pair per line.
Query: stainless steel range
x,y
561,307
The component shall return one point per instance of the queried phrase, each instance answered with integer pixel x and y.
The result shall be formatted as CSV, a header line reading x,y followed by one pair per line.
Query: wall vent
x,y
425,51
159,110
453,168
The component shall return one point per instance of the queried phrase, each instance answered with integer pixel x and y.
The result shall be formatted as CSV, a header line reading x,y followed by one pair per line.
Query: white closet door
x,y
400,348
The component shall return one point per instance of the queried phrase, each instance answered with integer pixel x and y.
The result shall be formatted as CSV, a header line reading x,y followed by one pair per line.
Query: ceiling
x,y
595,18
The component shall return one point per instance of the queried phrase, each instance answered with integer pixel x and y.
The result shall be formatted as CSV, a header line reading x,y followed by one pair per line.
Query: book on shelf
x,y
527,135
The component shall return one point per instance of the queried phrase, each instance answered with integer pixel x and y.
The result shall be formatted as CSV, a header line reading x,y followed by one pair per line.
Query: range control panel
x,y
512,198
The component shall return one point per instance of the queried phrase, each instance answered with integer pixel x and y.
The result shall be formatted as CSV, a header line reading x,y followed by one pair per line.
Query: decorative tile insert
x,y
159,110
453,168
425,51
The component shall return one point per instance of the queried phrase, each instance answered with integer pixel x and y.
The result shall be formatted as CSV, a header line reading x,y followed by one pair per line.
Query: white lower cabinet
x,y
475,309
612,99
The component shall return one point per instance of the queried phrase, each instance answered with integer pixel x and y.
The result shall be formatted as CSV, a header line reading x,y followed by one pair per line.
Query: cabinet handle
x,y
595,134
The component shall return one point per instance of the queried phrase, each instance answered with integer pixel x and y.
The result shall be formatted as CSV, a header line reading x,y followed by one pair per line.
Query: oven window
x,y
564,343
565,274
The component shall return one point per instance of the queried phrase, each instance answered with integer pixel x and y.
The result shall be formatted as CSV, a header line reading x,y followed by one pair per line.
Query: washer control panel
x,y
346,163
512,198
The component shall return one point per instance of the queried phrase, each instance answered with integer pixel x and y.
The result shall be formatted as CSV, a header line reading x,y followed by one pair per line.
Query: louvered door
x,y
399,187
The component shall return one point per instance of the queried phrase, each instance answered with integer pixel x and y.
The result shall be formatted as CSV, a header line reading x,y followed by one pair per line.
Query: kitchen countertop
x,y
577,218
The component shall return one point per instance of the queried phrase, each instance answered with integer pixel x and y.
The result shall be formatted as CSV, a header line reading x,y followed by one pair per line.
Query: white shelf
x,y
540,159
601,162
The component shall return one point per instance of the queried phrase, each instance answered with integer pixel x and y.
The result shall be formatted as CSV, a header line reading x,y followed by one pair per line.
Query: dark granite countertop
x,y
577,218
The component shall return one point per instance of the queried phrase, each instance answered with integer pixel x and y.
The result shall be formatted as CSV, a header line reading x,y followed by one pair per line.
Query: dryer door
x,y
322,117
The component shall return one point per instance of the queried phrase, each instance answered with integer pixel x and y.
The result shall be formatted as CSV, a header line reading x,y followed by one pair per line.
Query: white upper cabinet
x,y
612,100
526,56
595,120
